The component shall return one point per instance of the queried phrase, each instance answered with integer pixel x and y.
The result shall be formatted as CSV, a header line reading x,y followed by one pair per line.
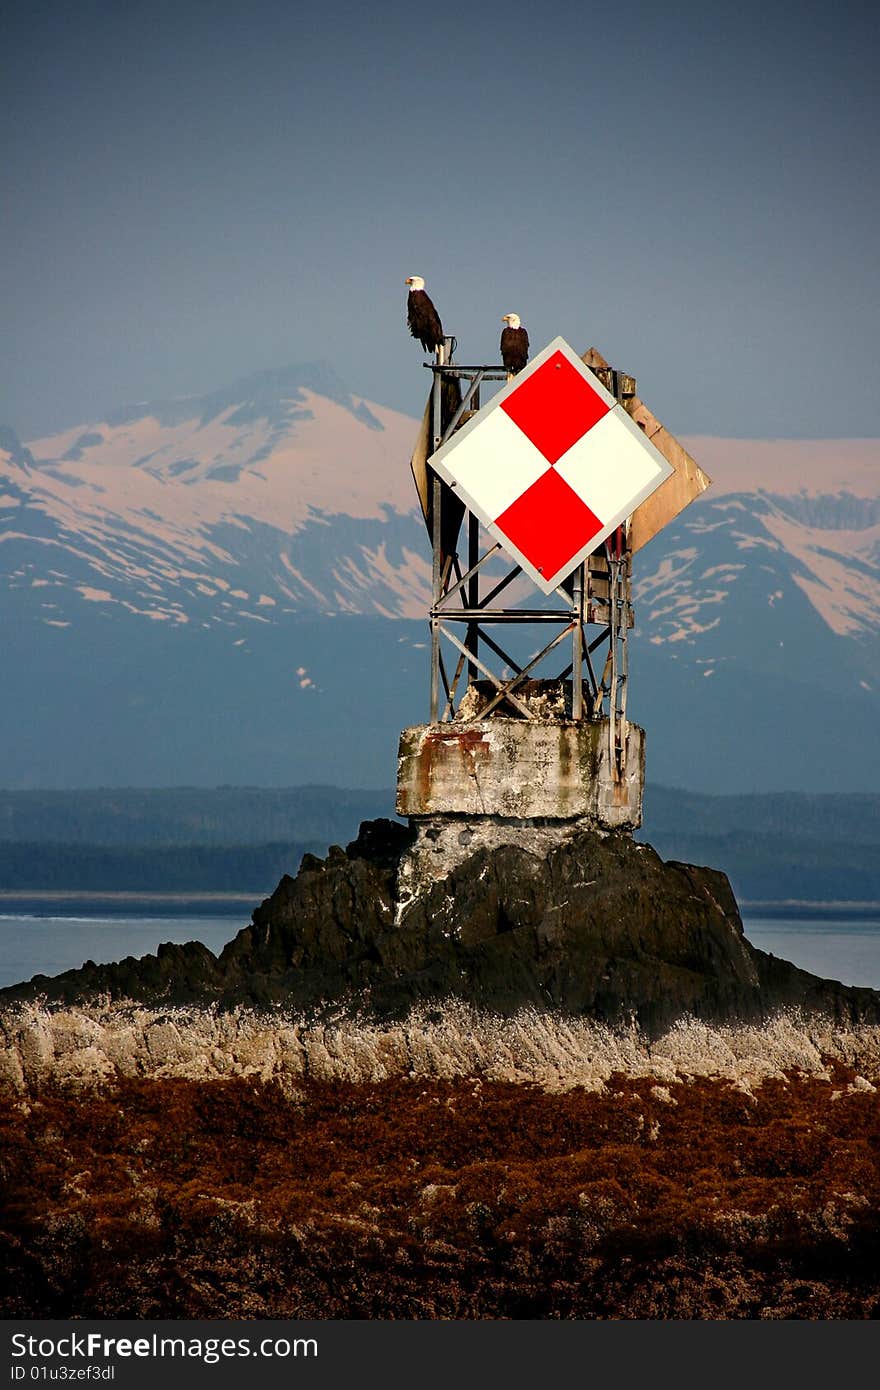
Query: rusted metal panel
x,y
685,483
419,464
452,509
620,384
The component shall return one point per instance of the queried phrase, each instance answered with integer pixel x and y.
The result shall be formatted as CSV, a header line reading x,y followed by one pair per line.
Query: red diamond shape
x,y
555,406
548,523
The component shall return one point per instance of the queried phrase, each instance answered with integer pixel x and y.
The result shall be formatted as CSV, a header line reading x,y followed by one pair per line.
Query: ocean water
x,y
837,948
48,938
46,943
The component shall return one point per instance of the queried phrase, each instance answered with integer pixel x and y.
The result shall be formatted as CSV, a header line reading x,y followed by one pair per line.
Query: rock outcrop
x,y
587,923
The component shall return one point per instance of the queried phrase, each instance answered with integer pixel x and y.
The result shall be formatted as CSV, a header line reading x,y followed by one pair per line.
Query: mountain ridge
x,y
256,513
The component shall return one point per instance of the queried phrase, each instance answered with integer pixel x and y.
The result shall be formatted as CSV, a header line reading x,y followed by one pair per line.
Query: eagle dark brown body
x,y
514,349
423,320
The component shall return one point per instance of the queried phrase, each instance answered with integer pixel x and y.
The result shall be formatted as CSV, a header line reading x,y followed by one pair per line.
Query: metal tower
x,y
588,617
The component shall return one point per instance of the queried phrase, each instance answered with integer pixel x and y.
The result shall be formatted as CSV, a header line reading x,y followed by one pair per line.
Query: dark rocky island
x,y
460,1075
595,926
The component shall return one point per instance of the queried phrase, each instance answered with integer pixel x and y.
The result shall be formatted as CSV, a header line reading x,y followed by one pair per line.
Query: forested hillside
x,y
774,847
175,816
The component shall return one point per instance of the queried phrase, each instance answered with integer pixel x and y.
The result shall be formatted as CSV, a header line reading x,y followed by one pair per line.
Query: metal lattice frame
x,y
593,608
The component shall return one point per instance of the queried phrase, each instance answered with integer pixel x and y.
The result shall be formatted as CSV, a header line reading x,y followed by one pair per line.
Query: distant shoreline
x,y
792,907
26,902
183,901
124,895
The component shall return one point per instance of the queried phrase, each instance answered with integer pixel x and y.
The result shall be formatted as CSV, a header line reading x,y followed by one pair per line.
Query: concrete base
x,y
442,843
518,770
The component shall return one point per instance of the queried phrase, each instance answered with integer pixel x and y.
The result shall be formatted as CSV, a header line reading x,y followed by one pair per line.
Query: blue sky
x,y
194,191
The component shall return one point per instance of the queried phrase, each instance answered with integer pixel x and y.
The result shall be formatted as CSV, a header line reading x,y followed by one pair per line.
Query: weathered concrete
x,y
519,770
443,843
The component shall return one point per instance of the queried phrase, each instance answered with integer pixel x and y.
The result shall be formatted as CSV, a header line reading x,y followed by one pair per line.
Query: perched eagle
x,y
422,317
514,344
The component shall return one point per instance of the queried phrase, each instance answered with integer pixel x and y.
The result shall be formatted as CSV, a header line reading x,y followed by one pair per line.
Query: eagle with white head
x,y
422,318
514,345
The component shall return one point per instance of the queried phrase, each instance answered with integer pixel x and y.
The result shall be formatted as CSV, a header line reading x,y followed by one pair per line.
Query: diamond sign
x,y
551,465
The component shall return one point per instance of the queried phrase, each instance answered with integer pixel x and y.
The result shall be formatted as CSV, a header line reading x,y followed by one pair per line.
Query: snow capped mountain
x,y
805,509
759,556
240,520
216,509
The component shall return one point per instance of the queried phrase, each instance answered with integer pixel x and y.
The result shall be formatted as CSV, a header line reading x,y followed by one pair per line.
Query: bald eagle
x,y
514,344
422,317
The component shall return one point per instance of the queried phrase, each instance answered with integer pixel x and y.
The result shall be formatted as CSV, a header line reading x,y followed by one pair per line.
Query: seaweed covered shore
x,y
464,1199
541,1078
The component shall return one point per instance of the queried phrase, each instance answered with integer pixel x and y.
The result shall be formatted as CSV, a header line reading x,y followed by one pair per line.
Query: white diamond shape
x,y
493,466
490,462
610,468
